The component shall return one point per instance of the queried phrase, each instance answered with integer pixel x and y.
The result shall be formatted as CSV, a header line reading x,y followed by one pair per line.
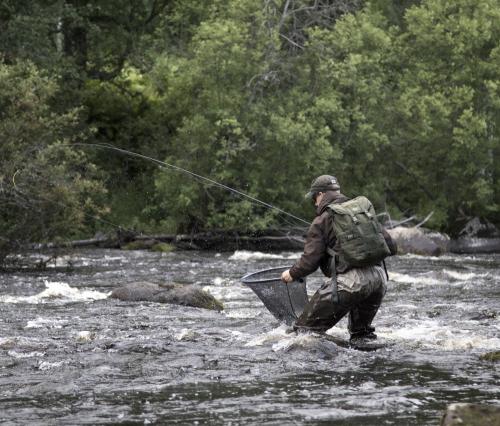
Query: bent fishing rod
x,y
188,172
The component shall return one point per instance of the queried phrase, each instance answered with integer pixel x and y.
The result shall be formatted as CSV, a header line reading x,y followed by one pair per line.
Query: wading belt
x,y
333,269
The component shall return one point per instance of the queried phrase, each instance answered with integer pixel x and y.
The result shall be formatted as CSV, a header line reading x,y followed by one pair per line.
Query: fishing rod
x,y
190,173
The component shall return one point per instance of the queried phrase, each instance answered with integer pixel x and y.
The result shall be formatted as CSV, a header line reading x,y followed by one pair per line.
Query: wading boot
x,y
362,337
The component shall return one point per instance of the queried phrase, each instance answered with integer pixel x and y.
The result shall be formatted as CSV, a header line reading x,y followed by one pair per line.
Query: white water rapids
x,y
70,355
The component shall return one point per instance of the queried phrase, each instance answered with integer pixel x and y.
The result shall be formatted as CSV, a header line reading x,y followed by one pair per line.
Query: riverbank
x,y
410,240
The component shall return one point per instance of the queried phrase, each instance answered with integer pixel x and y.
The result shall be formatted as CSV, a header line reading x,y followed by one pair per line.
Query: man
x,y
353,289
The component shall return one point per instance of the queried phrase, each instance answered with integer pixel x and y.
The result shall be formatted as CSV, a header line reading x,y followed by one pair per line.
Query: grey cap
x,y
323,183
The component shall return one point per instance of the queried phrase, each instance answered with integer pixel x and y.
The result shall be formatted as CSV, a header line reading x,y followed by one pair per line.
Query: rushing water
x,y
69,355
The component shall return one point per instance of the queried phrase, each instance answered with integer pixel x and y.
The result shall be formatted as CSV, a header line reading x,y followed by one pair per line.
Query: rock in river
x,y
471,415
417,241
177,294
477,236
491,356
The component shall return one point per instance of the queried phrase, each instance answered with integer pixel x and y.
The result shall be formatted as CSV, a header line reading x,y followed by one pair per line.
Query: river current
x,y
70,355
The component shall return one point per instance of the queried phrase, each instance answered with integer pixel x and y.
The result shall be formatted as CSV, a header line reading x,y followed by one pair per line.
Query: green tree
x,y
414,109
448,106
48,188
247,114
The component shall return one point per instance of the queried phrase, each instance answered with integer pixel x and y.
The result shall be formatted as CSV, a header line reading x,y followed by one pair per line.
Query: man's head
x,y
322,184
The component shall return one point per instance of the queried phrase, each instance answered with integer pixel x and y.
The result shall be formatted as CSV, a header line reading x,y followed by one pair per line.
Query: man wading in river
x,y
349,245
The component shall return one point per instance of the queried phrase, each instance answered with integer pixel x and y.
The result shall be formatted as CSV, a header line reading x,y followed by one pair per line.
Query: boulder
x,y
177,294
477,236
440,239
479,228
471,415
417,241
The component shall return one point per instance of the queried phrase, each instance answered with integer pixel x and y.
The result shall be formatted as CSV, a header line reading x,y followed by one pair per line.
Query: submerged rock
x,y
491,356
484,315
186,295
471,415
417,241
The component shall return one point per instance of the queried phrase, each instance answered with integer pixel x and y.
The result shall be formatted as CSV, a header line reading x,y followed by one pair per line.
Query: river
x,y
69,355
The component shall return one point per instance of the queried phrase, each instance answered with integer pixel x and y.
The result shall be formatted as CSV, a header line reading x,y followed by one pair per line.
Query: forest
x,y
400,100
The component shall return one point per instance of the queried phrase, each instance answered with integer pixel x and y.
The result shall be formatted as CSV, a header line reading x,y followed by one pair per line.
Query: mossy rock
x,y
176,294
163,248
491,356
140,245
471,415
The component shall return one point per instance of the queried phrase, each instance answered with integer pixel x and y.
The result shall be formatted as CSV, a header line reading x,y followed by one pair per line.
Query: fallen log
x,y
222,241
93,242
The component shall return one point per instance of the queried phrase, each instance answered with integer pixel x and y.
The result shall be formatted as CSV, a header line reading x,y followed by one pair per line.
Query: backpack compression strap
x,y
333,269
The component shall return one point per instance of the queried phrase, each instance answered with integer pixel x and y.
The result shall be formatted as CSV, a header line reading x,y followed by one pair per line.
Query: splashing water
x,y
71,355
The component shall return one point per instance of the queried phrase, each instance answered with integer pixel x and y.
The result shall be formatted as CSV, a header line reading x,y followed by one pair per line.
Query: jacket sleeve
x,y
390,242
314,251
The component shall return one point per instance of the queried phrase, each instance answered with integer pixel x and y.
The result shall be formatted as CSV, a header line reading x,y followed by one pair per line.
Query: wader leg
x,y
321,313
361,316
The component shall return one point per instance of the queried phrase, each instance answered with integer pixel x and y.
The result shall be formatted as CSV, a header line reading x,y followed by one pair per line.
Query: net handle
x,y
247,278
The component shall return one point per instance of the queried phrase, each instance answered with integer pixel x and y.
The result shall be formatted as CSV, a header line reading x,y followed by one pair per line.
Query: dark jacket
x,y
320,236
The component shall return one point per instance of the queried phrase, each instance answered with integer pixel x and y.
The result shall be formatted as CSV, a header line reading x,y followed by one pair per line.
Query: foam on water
x,y
85,336
444,277
21,355
436,335
281,339
45,365
450,258
412,279
426,334
186,334
226,290
57,291
407,306
463,276
273,336
244,255
45,323
300,340
222,281
331,413
242,313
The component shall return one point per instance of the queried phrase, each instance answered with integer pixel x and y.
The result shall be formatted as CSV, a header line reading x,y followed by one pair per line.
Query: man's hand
x,y
286,277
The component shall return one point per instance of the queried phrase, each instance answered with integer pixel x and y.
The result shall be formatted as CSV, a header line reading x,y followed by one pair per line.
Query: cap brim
x,y
309,195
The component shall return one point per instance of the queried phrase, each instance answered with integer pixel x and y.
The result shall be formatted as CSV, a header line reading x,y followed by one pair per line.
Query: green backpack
x,y
360,241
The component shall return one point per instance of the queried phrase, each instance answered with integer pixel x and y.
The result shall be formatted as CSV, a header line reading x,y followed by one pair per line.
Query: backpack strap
x,y
333,269
385,269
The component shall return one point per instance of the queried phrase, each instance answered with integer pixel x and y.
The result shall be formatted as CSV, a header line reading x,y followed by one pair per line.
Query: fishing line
x,y
190,173
61,204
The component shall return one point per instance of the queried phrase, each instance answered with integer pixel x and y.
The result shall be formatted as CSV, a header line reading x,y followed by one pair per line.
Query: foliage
x,y
400,100
47,188
414,109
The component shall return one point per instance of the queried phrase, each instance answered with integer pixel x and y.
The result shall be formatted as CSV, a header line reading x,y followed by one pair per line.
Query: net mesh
x,y
285,301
